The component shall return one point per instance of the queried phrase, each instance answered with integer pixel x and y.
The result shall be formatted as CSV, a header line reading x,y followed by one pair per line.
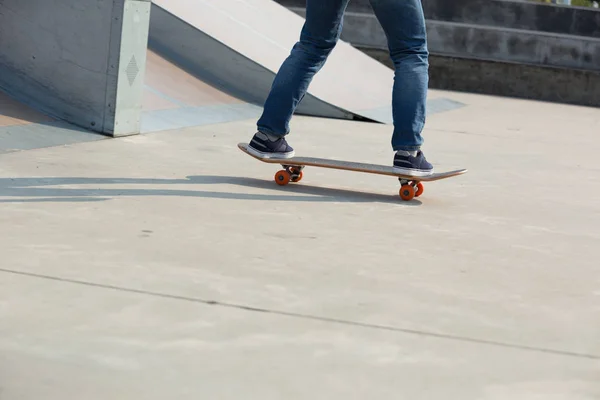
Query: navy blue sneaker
x,y
264,146
412,164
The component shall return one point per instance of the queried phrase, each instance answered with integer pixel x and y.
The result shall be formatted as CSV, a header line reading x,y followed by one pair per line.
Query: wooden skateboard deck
x,y
292,172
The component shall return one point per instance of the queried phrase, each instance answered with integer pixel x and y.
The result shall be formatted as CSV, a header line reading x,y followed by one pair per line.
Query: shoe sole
x,y
413,172
260,154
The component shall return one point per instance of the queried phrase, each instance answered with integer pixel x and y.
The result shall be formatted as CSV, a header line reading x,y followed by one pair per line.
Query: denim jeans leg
x,y
403,22
320,34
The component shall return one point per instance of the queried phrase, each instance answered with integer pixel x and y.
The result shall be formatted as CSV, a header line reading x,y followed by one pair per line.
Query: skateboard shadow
x,y
28,190
308,192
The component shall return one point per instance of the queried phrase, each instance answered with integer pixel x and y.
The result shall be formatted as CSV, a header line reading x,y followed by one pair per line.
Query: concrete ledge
x,y
525,15
489,43
511,45
532,82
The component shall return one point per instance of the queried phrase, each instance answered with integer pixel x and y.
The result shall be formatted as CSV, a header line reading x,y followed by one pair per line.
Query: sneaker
x,y
412,163
266,146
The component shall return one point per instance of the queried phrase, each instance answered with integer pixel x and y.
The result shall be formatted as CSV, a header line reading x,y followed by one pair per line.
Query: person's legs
x,y
403,22
318,38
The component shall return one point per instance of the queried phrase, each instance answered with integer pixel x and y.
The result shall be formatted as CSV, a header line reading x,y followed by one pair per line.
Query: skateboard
x,y
410,186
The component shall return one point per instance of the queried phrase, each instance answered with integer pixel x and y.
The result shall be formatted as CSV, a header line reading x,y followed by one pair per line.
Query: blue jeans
x,y
404,25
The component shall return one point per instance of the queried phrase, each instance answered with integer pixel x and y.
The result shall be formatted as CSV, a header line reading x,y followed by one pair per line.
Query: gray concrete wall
x,y
78,60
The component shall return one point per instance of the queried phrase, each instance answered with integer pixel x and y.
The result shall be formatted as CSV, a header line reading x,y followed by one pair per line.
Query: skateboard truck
x,y
410,188
289,173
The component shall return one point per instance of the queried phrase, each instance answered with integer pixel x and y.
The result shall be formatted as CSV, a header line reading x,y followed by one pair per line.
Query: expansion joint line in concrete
x,y
308,317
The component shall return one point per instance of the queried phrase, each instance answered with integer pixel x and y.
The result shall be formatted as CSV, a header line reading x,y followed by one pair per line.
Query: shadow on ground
x,y
48,190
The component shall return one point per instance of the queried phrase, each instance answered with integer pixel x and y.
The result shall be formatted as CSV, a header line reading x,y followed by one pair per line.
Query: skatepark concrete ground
x,y
170,265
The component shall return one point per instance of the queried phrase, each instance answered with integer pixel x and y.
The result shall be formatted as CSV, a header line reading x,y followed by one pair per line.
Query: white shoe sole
x,y
412,172
260,154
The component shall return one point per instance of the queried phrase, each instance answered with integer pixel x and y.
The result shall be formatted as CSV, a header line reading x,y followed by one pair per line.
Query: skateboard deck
x,y
292,172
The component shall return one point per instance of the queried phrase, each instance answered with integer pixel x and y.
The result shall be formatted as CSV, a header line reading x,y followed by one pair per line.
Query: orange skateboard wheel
x,y
282,177
407,192
420,189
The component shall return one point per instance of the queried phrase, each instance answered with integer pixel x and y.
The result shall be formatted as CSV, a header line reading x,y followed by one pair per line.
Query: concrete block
x,y
80,61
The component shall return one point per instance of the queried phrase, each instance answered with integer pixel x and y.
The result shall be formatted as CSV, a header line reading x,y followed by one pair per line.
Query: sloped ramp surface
x,y
239,45
174,99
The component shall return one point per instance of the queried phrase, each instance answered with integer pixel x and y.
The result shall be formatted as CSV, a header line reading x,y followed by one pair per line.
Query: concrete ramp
x,y
172,99
212,62
240,44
